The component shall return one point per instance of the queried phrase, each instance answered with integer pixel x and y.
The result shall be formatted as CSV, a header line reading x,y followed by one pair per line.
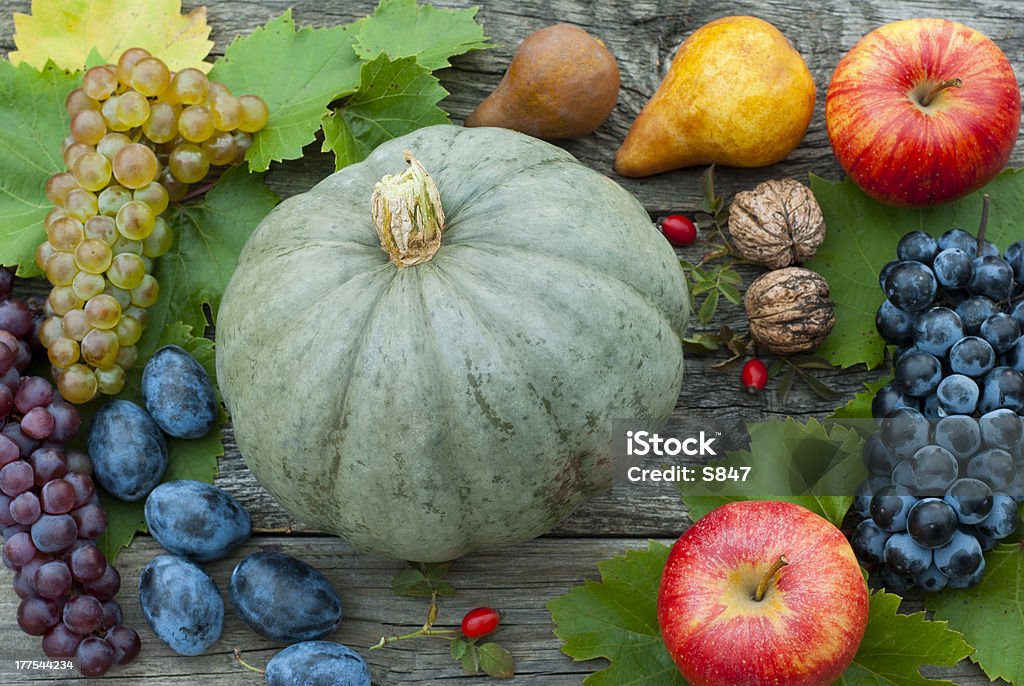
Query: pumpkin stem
x,y
407,212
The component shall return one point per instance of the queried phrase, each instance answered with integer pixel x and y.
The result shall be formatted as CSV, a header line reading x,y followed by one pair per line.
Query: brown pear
x,y
562,83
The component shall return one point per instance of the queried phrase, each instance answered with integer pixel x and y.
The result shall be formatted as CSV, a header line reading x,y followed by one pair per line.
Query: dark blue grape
x,y
895,583
960,583
993,466
958,238
917,246
1001,429
1018,313
888,399
931,579
972,356
993,278
877,458
960,557
934,469
1001,331
973,311
989,249
1014,357
129,455
893,324
930,407
903,475
911,286
1015,258
905,557
890,507
283,598
987,542
181,603
862,498
317,663
178,393
196,520
1003,519
937,329
918,373
958,394
959,435
905,432
971,500
884,272
868,542
1002,387
953,268
931,523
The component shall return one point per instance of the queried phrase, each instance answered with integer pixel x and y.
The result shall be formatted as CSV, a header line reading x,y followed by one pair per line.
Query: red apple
x,y
761,593
923,111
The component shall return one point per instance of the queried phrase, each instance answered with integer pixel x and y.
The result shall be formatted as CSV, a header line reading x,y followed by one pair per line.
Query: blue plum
x,y
178,393
196,520
181,603
317,663
129,453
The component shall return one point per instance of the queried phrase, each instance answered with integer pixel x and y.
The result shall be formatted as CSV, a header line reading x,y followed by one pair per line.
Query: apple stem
x,y
983,223
768,577
927,98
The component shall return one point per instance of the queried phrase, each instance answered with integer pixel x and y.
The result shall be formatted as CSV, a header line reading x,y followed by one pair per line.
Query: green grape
x,y
123,244
62,300
243,141
135,165
110,144
92,171
103,311
176,190
126,271
65,234
190,86
88,285
138,313
102,227
147,292
88,126
129,58
162,125
99,83
129,330
77,384
81,204
135,220
73,152
154,195
53,215
188,163
254,113
43,252
220,148
216,90
150,76
93,255
51,329
59,185
109,112
195,124
63,352
77,101
110,380
147,263
132,109
112,198
159,241
127,356
61,269
99,347
74,326
227,113
123,297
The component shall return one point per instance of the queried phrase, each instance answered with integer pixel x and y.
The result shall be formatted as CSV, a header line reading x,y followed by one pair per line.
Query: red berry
x,y
480,622
679,229
754,376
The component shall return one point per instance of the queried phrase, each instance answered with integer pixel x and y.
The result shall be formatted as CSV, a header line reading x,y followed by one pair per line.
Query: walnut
x,y
777,224
789,310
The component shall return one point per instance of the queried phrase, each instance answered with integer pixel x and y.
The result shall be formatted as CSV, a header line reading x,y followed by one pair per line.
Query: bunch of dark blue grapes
x,y
947,463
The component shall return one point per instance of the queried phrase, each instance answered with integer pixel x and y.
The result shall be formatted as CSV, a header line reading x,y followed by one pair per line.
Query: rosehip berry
x,y
480,622
679,229
754,376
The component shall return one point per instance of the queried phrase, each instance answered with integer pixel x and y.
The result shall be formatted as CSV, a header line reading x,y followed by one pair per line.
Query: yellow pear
x,y
737,93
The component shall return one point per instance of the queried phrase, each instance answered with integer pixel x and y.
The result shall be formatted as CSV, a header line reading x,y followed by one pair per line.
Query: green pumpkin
x,y
422,405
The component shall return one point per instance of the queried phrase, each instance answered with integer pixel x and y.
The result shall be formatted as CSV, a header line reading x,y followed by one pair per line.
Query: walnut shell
x,y
789,310
777,224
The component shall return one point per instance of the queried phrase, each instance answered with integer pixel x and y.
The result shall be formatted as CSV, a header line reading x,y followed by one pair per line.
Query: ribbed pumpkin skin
x,y
465,402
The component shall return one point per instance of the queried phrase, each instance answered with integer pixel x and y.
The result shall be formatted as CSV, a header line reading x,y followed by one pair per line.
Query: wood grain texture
x,y
643,35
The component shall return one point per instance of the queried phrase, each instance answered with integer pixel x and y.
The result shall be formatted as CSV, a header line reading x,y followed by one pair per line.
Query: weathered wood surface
x,y
643,35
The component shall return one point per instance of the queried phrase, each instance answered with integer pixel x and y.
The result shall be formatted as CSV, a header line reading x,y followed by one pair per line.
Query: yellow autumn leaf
x,y
66,31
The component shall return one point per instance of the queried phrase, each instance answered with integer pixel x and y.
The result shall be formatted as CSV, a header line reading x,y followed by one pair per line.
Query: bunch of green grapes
x,y
140,135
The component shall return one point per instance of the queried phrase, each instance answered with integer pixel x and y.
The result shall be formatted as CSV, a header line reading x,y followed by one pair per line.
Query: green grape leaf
x,y
298,73
896,646
861,238
810,464
124,520
32,126
208,236
991,615
617,619
859,407
403,28
393,99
